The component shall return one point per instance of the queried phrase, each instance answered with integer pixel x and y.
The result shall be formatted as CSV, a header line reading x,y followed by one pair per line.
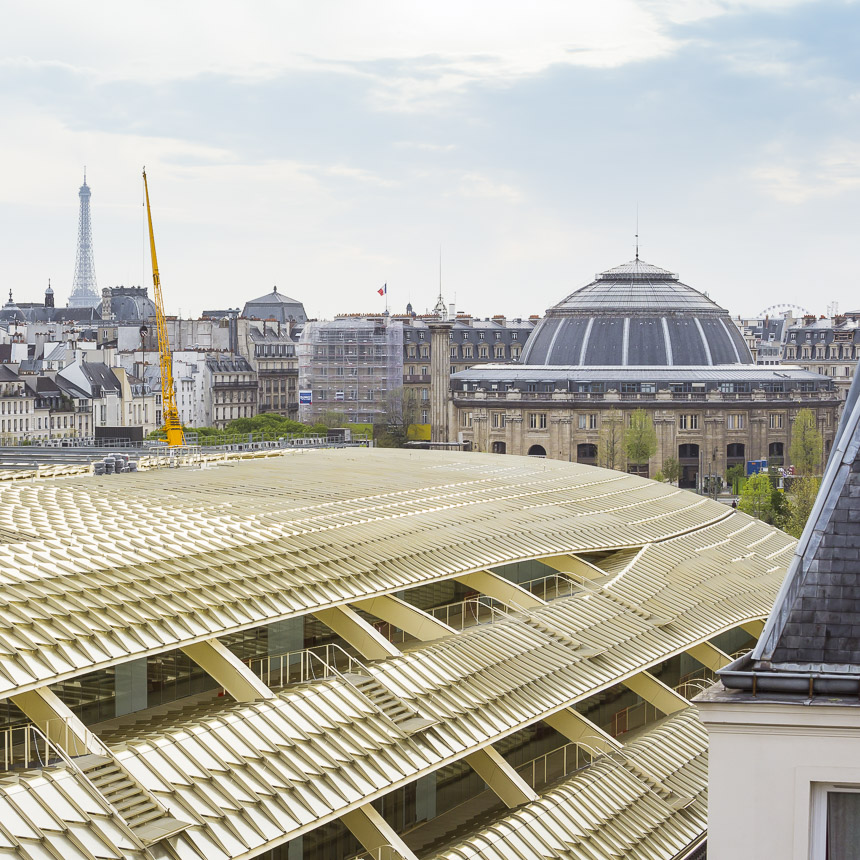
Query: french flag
x,y
383,290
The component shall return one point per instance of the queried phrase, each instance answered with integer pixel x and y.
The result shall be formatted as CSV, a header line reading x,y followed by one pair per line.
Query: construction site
x,y
351,366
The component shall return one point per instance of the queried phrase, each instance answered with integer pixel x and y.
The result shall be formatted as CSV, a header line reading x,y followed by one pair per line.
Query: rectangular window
x,y
499,420
688,422
537,420
500,352
465,419
834,822
588,421
775,420
736,421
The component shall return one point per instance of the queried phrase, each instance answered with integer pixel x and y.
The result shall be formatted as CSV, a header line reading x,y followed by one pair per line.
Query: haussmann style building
x,y
637,337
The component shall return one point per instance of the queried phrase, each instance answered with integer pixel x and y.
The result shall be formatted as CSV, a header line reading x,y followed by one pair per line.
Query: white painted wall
x,y
764,759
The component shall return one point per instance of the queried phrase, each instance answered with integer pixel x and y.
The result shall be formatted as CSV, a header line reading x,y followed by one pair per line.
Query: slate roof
x,y
815,623
636,314
277,306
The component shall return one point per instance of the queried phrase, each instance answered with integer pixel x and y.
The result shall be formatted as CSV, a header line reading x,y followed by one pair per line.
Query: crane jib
x,y
172,424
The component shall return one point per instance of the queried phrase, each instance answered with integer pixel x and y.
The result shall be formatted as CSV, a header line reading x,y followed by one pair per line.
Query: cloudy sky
x,y
327,147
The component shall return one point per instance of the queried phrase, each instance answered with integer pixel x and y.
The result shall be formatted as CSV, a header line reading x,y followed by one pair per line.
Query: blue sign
x,y
306,397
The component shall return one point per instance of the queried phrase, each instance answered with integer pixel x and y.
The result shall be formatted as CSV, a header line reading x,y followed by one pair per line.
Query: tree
x,y
640,438
756,497
807,445
800,501
610,450
671,469
734,473
400,408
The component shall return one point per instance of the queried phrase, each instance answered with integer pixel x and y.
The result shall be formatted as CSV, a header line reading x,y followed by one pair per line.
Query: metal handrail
x,y
20,744
304,665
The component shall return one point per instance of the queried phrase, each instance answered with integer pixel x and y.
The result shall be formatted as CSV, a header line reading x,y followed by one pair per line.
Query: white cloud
x,y
828,172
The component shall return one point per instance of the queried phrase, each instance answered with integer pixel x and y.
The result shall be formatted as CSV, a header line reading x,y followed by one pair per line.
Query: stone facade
x,y
707,431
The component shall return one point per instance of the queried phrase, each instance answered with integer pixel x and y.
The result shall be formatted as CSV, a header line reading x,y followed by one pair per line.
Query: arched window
x,y
537,451
586,453
500,448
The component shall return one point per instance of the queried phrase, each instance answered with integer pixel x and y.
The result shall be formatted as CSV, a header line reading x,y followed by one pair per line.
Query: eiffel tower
x,y
85,293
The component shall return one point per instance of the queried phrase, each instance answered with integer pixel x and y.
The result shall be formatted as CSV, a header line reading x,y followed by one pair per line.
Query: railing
x,y
551,586
471,611
554,765
305,664
28,746
384,852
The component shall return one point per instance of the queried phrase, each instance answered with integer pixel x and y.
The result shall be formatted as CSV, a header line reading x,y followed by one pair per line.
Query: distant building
x,y
231,389
826,345
351,365
637,337
277,307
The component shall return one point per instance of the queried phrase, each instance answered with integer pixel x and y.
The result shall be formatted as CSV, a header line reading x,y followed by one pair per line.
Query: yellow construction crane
x,y
172,424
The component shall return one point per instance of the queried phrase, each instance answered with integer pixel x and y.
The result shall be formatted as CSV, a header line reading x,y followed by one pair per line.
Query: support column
x,y
130,686
374,832
656,693
399,613
425,797
580,730
57,722
709,656
228,670
440,379
505,782
349,625
501,589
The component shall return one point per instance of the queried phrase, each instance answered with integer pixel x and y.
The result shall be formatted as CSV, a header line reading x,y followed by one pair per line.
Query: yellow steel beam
x,y
228,670
348,624
581,730
375,833
754,628
58,722
709,655
655,692
501,589
505,782
416,622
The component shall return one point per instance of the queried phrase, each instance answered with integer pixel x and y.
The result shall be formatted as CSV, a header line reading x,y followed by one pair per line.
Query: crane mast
x,y
172,424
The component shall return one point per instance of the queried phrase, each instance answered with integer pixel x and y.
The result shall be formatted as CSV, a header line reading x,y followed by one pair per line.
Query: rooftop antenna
x,y
440,302
637,232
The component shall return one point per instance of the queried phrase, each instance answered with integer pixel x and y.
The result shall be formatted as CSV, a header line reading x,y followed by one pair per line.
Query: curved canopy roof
x,y
636,314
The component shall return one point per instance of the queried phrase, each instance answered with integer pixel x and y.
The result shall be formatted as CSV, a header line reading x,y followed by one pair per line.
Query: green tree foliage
x,y
807,445
733,473
400,409
757,497
671,469
800,501
640,438
610,444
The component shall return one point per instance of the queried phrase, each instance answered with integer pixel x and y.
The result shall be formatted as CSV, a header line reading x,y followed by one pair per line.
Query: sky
x,y
330,147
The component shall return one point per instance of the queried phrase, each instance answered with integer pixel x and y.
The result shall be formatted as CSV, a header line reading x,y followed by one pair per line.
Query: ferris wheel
x,y
798,310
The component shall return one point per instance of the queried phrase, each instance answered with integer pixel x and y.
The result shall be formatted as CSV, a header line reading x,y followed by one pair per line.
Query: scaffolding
x,y
352,366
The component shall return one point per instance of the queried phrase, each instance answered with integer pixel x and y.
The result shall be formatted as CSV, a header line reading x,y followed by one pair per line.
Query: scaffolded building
x,y
382,653
353,366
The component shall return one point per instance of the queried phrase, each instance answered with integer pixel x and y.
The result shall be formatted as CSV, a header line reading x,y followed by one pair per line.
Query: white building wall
x,y
764,762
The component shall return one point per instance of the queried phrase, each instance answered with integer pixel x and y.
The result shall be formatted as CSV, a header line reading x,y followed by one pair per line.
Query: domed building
x,y
637,337
636,314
